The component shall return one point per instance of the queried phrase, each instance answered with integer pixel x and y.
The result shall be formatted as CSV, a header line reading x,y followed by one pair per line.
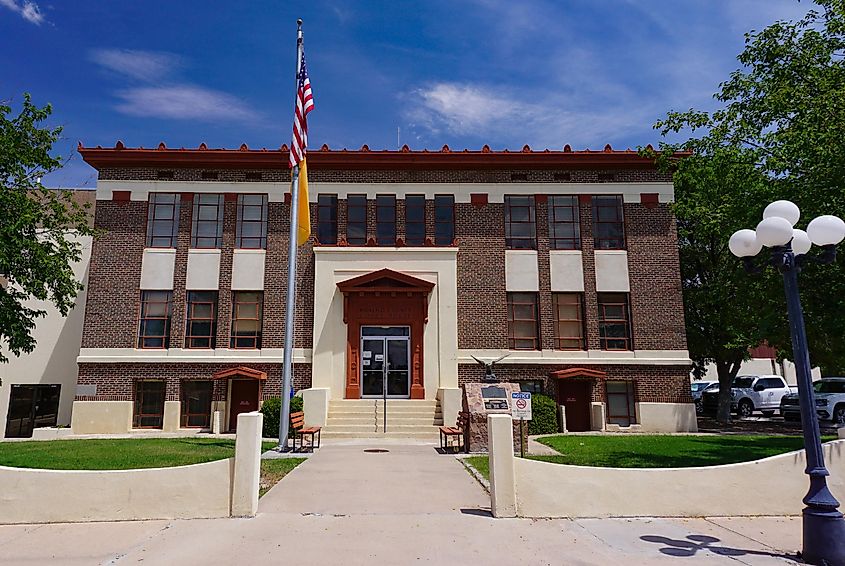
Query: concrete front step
x,y
390,414
423,421
433,436
391,404
330,428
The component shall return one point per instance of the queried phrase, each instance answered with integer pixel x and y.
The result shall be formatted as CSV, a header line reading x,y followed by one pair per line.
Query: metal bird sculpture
x,y
488,366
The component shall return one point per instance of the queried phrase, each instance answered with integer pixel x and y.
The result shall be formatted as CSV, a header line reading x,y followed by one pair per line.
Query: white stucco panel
x,y
248,270
203,270
567,271
157,268
612,271
521,272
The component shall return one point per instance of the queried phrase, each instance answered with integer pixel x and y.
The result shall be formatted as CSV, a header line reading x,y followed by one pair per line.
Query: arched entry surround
x,y
384,298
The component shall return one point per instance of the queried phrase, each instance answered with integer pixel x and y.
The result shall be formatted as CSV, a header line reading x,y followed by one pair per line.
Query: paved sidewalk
x,y
410,505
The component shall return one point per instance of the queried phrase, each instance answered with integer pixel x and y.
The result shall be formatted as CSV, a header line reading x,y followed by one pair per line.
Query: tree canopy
x,y
36,247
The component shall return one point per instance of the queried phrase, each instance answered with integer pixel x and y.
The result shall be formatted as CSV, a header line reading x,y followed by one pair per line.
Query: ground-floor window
x,y
149,404
531,385
196,404
31,406
620,403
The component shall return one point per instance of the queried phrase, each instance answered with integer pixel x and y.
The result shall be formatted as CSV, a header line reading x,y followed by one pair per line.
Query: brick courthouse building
x,y
566,261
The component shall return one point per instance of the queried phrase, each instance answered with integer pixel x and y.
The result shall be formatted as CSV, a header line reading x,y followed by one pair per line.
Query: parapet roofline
x,y
364,158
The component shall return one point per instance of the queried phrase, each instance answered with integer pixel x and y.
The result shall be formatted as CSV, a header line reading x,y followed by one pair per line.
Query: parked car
x,y
750,393
830,401
699,387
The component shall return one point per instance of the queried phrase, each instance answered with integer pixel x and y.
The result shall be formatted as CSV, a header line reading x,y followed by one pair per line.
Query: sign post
x,y
521,409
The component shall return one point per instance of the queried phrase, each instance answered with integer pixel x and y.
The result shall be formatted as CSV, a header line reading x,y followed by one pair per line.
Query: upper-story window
x,y
247,318
327,219
207,227
608,222
415,220
564,224
154,327
201,323
444,220
251,231
520,224
162,220
569,321
356,219
614,321
523,321
386,220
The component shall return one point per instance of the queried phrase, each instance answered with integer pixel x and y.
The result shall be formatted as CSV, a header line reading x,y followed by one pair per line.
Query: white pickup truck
x,y
750,393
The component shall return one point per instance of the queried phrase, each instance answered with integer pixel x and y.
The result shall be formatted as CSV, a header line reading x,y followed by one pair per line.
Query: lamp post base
x,y
824,537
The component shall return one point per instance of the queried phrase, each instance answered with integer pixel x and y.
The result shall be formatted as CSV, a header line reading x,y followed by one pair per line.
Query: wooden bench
x,y
457,431
297,423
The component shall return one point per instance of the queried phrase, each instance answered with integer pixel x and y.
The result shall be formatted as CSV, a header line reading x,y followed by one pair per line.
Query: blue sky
x,y
463,73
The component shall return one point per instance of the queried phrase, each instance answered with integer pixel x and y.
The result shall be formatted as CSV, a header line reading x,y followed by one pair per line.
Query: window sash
x,y
569,321
251,230
614,321
386,220
523,321
207,225
415,220
356,219
162,220
196,398
520,223
608,222
201,320
444,220
621,400
327,219
564,223
246,319
149,404
154,319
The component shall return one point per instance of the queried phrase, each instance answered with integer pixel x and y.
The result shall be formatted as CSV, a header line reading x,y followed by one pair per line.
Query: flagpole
x,y
284,417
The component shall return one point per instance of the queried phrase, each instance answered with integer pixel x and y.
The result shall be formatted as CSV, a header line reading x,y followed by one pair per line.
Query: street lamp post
x,y
823,524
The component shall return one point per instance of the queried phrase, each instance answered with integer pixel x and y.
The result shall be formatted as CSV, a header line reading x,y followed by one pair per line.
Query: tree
x,y
779,133
36,253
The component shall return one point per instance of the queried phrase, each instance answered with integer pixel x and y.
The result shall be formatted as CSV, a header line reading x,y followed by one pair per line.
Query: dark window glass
x,y
207,225
614,321
149,404
608,223
620,403
444,220
247,309
564,224
569,321
252,222
534,386
386,220
415,220
327,219
520,226
356,219
196,403
154,329
523,321
162,220
201,324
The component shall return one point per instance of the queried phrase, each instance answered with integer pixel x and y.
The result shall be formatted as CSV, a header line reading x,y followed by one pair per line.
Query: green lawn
x,y
273,470
117,454
659,451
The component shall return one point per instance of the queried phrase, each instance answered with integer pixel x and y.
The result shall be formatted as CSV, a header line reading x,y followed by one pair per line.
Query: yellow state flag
x,y
303,213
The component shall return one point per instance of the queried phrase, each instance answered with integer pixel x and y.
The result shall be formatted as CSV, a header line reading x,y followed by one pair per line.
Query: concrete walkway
x,y
410,505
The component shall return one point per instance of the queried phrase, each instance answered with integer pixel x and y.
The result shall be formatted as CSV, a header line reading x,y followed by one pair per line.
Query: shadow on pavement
x,y
698,543
478,512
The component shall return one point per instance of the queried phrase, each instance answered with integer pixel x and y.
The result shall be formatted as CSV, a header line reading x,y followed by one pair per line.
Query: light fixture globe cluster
x,y
777,229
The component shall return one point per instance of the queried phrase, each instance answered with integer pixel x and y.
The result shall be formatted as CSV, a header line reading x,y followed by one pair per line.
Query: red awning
x,y
578,372
241,371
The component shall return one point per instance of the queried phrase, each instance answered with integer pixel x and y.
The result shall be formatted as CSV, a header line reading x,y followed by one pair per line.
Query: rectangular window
x,y
569,321
201,325
327,219
520,225
251,231
247,309
386,220
608,222
444,220
564,224
620,403
523,318
154,330
207,226
614,321
533,386
162,220
196,404
415,220
149,404
356,219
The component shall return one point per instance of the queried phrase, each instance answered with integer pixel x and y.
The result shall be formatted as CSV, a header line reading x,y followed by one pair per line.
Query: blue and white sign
x,y
521,405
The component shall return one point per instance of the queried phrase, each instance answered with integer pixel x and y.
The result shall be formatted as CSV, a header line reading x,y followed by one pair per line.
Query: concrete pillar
x,y
315,405
597,416
502,474
216,422
562,409
451,403
247,465
172,414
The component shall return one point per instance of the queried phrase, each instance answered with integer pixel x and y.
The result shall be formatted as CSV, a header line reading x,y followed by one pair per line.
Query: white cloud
x,y
142,65
26,8
182,101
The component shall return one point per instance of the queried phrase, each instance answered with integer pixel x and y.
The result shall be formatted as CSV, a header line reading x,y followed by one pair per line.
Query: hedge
x,y
543,415
271,408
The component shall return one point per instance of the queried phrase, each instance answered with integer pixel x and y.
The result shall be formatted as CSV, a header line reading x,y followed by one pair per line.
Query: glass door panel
x,y
397,368
372,367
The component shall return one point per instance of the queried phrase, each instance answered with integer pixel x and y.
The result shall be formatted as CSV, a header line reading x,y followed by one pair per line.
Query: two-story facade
x,y
420,261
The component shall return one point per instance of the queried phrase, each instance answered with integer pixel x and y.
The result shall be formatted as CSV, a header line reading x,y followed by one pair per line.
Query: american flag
x,y
304,105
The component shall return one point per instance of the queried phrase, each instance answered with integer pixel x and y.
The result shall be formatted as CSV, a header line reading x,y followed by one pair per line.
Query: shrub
x,y
543,415
271,408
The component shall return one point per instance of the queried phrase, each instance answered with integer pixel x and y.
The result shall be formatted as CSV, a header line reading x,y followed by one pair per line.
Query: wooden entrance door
x,y
574,394
243,399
